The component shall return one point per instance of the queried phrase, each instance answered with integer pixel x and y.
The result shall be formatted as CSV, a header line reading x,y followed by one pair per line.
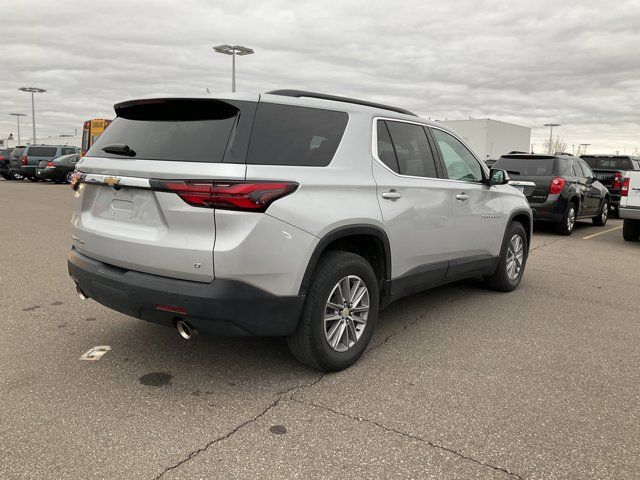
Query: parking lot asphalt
x,y
458,382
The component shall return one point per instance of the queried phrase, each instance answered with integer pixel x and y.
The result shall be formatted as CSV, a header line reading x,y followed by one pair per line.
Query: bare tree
x,y
558,145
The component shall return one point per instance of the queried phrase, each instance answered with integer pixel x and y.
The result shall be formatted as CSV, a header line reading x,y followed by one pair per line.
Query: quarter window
x,y
386,153
458,160
410,148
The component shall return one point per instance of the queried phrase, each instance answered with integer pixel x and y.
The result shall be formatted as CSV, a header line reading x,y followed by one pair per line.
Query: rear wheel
x,y
16,176
339,315
33,179
600,220
513,258
568,223
67,176
631,230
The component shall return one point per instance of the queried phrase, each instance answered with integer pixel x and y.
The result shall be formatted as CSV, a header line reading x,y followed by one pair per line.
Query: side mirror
x,y
498,177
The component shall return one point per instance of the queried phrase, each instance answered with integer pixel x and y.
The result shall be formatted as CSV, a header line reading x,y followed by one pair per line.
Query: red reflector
x,y
557,184
25,160
247,196
624,191
172,309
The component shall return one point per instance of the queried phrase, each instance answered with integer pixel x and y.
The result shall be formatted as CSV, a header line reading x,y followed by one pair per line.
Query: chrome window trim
x,y
374,150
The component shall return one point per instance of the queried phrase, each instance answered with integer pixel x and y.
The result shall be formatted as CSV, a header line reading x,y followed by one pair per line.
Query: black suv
x,y
5,172
609,170
566,188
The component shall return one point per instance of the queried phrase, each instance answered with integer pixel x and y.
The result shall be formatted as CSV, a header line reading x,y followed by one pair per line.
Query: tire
x,y
309,343
600,220
16,176
504,279
67,176
33,179
631,230
615,211
565,227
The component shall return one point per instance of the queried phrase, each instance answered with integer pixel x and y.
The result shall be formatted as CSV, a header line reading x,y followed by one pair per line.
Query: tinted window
x,y
17,152
386,154
42,151
179,140
67,151
609,163
577,170
286,135
587,171
529,167
459,161
412,149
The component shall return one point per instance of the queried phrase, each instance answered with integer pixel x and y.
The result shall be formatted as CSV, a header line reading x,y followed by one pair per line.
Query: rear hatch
x,y
127,215
16,158
37,154
609,169
539,169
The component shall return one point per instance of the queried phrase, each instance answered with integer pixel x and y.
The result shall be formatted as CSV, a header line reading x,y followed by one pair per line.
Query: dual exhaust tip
x,y
185,330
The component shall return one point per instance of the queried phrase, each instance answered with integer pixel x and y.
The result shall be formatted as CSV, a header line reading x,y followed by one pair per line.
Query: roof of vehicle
x,y
537,156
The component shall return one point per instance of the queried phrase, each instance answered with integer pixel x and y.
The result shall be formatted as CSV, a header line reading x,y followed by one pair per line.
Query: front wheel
x,y
600,220
339,314
513,258
631,230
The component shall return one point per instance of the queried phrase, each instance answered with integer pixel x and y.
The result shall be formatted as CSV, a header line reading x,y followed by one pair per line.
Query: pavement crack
x,y
412,436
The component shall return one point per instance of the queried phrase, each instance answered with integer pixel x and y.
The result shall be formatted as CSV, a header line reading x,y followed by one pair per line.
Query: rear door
x,y
594,195
477,206
579,180
120,220
417,206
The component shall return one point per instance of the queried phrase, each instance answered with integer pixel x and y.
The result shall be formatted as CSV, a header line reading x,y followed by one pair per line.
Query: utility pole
x,y
551,125
33,107
233,51
18,115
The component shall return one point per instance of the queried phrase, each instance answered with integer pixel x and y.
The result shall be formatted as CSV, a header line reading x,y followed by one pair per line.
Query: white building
x,y
490,139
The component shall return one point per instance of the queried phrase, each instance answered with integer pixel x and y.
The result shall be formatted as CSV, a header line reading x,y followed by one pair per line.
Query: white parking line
x,y
602,233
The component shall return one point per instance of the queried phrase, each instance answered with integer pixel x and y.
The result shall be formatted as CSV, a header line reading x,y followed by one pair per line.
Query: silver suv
x,y
286,214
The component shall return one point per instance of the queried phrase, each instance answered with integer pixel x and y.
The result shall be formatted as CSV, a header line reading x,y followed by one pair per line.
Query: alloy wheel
x,y
346,312
571,218
515,256
605,212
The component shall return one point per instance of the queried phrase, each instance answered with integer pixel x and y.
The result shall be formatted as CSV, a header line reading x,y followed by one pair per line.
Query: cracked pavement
x,y
458,382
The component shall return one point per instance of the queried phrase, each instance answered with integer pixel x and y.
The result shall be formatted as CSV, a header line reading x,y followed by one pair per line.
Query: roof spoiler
x,y
175,109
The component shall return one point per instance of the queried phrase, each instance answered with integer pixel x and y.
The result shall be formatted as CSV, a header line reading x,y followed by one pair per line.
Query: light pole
x,y
551,125
18,115
233,51
585,145
33,107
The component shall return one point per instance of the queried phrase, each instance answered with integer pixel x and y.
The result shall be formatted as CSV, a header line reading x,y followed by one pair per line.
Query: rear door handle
x,y
462,197
391,195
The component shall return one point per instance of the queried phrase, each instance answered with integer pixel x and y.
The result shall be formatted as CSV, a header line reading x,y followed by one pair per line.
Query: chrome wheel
x,y
346,312
515,255
605,212
571,218
68,176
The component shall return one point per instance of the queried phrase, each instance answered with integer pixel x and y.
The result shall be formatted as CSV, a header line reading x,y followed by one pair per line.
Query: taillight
x,y
25,160
624,190
247,196
557,184
616,180
75,180
50,164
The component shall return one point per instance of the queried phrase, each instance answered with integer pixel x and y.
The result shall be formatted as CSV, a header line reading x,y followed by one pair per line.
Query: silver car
x,y
288,213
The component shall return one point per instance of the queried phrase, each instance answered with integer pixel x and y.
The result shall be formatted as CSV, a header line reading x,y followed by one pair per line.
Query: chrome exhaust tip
x,y
81,294
185,330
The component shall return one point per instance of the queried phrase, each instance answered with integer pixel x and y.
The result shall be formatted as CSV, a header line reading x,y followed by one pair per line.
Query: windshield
x,y
609,163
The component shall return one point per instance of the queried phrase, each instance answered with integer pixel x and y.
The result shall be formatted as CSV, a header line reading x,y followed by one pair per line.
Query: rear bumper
x,y
49,174
222,307
552,210
630,213
27,171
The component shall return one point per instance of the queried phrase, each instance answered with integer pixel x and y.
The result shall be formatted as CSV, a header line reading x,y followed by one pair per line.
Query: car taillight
x,y
75,180
50,164
254,196
624,190
616,180
25,160
557,184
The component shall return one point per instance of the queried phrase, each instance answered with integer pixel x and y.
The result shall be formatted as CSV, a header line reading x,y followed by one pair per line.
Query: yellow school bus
x,y
91,130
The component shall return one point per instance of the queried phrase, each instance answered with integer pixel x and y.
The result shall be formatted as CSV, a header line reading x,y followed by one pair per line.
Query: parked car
x,y
59,169
630,206
313,227
15,162
610,170
566,188
5,171
490,162
32,155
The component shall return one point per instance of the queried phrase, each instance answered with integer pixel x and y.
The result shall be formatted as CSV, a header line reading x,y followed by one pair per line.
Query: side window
x,y
386,154
459,161
577,171
75,159
68,151
587,171
412,149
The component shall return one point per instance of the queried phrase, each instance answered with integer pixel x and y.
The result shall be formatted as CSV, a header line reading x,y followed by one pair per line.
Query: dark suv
x,y
610,170
566,188
5,153
32,155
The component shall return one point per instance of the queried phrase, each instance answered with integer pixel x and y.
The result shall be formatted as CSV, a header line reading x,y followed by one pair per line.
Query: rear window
x,y
42,151
185,130
288,135
17,152
609,163
529,167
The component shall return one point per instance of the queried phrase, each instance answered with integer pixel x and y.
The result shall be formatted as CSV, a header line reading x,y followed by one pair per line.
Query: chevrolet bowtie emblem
x,y
111,181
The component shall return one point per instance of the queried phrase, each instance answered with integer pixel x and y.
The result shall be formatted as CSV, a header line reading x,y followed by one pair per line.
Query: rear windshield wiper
x,y
119,149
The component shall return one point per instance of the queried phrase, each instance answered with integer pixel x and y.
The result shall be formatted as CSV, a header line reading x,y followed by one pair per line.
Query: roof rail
x,y
334,98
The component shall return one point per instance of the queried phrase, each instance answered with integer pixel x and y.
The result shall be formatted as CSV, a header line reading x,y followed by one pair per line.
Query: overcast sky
x,y
530,62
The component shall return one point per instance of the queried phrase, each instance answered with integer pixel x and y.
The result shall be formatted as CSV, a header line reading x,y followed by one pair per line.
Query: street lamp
x,y
585,145
18,115
33,108
551,125
233,51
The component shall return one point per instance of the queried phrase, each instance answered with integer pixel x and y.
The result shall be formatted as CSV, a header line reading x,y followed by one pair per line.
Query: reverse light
x,y
624,189
557,184
252,196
